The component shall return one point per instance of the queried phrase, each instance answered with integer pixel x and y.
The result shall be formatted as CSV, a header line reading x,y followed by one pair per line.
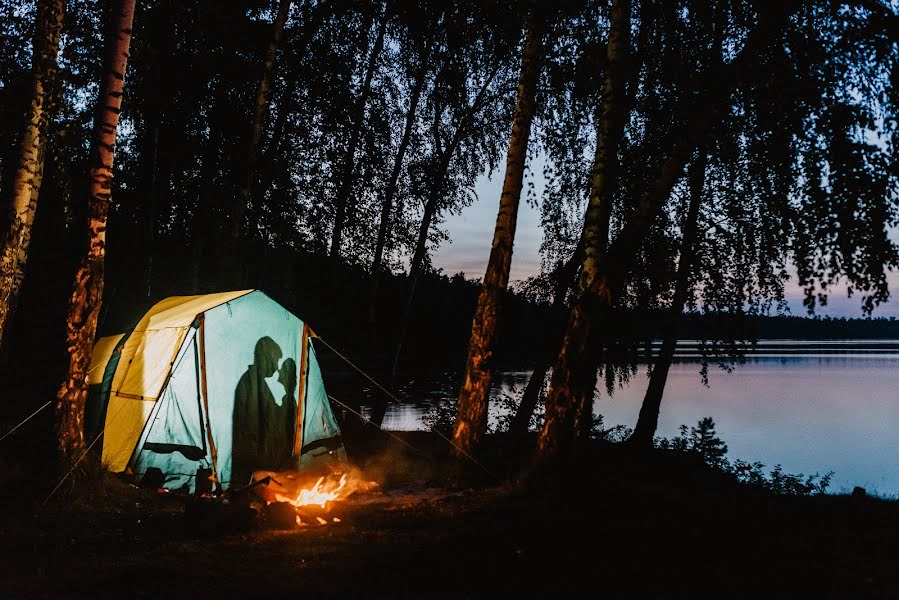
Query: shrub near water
x,y
704,442
701,441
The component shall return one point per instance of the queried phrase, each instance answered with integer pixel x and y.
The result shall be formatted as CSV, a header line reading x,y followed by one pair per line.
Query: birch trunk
x,y
569,401
471,416
573,378
349,163
531,395
570,398
84,304
310,16
648,421
387,205
30,168
418,257
261,107
432,206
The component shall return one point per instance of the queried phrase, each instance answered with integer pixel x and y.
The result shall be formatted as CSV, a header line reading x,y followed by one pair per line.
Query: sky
x,y
471,233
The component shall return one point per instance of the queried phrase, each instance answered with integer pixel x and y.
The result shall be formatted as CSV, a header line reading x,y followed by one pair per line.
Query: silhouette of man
x,y
252,412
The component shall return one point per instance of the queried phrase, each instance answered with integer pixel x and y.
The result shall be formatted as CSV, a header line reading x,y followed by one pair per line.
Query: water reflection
x,y
809,413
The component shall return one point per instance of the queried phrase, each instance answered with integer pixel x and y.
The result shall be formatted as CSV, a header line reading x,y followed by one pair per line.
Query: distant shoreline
x,y
810,348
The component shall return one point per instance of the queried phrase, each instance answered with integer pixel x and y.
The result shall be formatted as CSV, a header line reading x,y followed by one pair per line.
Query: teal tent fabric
x,y
321,435
98,399
174,440
253,356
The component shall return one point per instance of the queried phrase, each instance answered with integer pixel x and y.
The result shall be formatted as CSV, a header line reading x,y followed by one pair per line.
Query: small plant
x,y
505,406
703,441
613,435
441,417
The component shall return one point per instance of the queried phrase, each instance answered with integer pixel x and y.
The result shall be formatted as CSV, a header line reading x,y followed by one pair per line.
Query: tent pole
x,y
212,450
301,393
199,389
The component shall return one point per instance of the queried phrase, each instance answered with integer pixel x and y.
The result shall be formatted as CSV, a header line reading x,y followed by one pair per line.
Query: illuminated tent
x,y
214,387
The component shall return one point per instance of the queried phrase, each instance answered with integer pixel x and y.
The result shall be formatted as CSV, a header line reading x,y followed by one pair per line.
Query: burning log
x,y
311,514
308,487
303,498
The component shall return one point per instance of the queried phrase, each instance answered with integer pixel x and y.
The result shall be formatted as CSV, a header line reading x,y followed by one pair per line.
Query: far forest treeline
x,y
693,155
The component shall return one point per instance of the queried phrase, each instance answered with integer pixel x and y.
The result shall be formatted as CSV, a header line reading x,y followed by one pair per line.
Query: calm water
x,y
822,409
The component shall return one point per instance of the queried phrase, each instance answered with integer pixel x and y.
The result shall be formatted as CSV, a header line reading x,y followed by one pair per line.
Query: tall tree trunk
x,y
648,420
157,133
531,395
392,184
261,107
570,398
202,227
349,162
471,415
565,390
445,158
418,257
154,125
309,16
30,169
87,296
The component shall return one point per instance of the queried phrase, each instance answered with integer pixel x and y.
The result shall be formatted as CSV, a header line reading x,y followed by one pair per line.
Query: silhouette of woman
x,y
287,376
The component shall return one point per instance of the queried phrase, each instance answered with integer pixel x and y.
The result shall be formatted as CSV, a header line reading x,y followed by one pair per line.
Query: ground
x,y
612,525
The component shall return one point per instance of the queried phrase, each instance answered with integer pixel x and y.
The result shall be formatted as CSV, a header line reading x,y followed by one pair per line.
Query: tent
x,y
211,388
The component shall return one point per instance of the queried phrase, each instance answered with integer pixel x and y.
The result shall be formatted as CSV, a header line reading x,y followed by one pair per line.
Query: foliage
x,y
613,435
802,168
441,417
504,405
702,441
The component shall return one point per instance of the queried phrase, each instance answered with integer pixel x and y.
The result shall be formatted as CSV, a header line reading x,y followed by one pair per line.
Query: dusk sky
x,y
471,233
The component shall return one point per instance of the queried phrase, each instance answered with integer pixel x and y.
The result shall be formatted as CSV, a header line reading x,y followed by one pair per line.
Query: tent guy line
x,y
368,421
80,458
393,397
25,420
32,415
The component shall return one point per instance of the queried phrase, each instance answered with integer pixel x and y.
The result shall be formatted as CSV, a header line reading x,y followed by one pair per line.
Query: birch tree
x,y
260,108
348,168
471,417
30,168
87,296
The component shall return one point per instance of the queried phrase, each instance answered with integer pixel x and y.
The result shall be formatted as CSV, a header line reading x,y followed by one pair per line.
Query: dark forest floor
x,y
615,525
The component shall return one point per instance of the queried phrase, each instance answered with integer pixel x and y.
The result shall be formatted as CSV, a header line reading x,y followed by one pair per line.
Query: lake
x,y
808,406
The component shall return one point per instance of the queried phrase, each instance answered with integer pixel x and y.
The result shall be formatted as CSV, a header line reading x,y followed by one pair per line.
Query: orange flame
x,y
320,494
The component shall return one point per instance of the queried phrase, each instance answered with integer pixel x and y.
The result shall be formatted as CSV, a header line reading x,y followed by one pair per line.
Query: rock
x,y
153,479
280,515
212,516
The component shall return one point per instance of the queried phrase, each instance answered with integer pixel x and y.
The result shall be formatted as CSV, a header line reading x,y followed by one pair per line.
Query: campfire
x,y
311,504
319,495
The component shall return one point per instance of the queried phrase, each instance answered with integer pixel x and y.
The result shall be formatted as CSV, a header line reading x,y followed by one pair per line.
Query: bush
x,y
441,417
703,441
